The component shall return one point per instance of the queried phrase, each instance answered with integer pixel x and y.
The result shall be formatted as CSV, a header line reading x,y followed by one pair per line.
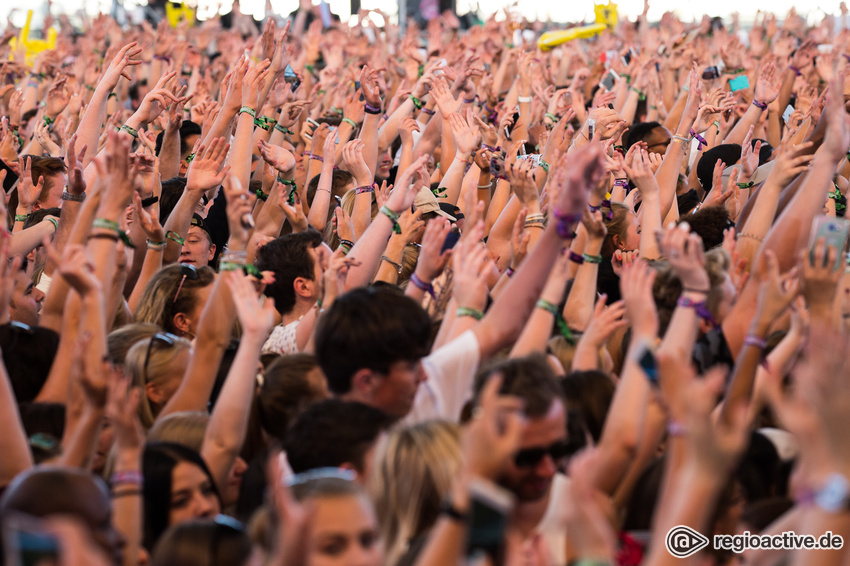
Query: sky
x,y
557,10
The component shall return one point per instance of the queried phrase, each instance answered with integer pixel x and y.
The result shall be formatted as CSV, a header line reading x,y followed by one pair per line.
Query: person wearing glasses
x,y
535,474
157,365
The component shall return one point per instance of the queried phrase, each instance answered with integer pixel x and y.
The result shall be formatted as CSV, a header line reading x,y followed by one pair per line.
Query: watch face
x,y
833,495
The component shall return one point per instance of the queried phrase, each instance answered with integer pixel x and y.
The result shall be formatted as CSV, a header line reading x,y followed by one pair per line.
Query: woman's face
x,y
631,239
202,295
345,533
230,493
162,388
192,495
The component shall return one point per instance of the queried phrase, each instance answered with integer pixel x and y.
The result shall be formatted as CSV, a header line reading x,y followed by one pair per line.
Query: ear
x,y
181,322
154,395
704,327
617,242
211,255
302,287
36,206
363,384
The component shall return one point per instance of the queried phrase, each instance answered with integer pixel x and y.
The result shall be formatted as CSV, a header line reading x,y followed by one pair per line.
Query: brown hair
x,y
617,225
158,304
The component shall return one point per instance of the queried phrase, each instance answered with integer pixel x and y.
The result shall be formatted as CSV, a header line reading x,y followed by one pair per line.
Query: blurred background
x,y
554,10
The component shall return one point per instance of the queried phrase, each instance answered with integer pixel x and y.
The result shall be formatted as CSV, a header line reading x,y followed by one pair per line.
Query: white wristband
x,y
525,99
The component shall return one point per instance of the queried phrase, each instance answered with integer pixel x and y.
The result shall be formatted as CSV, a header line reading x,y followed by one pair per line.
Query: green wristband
x,y
129,130
21,217
350,122
465,311
174,237
393,218
248,110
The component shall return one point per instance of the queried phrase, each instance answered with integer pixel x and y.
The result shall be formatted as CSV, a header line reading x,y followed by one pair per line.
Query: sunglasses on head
x,y
159,338
530,457
187,271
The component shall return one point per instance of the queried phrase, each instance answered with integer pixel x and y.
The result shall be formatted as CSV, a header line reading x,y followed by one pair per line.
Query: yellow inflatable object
x,y
176,12
33,46
606,18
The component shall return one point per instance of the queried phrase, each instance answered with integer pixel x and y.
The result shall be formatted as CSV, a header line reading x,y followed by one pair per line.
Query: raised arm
x,y
228,424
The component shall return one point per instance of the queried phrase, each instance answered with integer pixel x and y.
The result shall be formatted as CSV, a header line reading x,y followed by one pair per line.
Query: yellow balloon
x,y
175,13
606,18
33,46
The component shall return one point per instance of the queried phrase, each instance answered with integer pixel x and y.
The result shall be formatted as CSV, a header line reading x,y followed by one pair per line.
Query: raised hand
x,y
523,182
127,56
255,316
370,84
239,204
432,260
207,170
254,83
276,156
577,174
354,163
57,98
749,156
28,192
157,100
493,434
472,266
639,170
687,258
767,85
77,268
443,97
636,281
408,184
775,291
149,221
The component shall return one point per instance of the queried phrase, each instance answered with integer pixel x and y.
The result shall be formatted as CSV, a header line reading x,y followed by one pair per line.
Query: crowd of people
x,y
302,293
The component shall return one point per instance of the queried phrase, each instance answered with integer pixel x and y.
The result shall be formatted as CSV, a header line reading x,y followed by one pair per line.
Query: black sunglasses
x,y
159,338
532,456
187,271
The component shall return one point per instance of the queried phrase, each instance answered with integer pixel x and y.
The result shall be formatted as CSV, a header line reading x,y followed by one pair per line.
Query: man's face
x,y
396,390
658,140
26,300
197,249
52,198
531,480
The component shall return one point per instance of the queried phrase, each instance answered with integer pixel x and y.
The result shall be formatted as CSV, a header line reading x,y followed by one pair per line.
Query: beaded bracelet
x,y
466,311
393,218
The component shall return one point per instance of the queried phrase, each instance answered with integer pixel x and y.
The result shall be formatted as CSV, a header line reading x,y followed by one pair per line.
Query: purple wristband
x,y
565,223
700,140
797,71
760,104
576,257
510,272
373,109
365,189
130,477
428,111
755,341
419,284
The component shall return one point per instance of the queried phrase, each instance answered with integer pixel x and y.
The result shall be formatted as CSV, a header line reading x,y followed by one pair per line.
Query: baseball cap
x,y
427,202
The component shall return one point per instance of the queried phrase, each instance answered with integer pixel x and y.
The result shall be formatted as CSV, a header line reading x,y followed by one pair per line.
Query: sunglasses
x,y
165,338
530,457
188,272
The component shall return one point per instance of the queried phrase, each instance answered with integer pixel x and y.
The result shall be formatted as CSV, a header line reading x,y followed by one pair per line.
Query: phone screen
x,y
648,365
488,519
450,241
710,73
610,80
739,83
787,114
834,232
11,176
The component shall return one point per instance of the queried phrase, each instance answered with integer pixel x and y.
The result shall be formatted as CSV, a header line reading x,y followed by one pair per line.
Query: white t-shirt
x,y
282,340
451,372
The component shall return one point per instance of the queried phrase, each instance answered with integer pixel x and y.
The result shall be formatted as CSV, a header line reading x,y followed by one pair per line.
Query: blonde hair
x,y
413,471
161,301
161,364
347,204
184,427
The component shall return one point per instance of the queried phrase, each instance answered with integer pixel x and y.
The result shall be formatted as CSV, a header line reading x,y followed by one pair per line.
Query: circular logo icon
x,y
682,541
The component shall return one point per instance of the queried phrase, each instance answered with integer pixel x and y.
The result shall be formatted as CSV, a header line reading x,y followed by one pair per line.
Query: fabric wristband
x,y
466,311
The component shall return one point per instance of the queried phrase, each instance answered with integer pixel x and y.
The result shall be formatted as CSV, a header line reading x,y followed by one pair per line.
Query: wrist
x,y
593,245
760,325
128,459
